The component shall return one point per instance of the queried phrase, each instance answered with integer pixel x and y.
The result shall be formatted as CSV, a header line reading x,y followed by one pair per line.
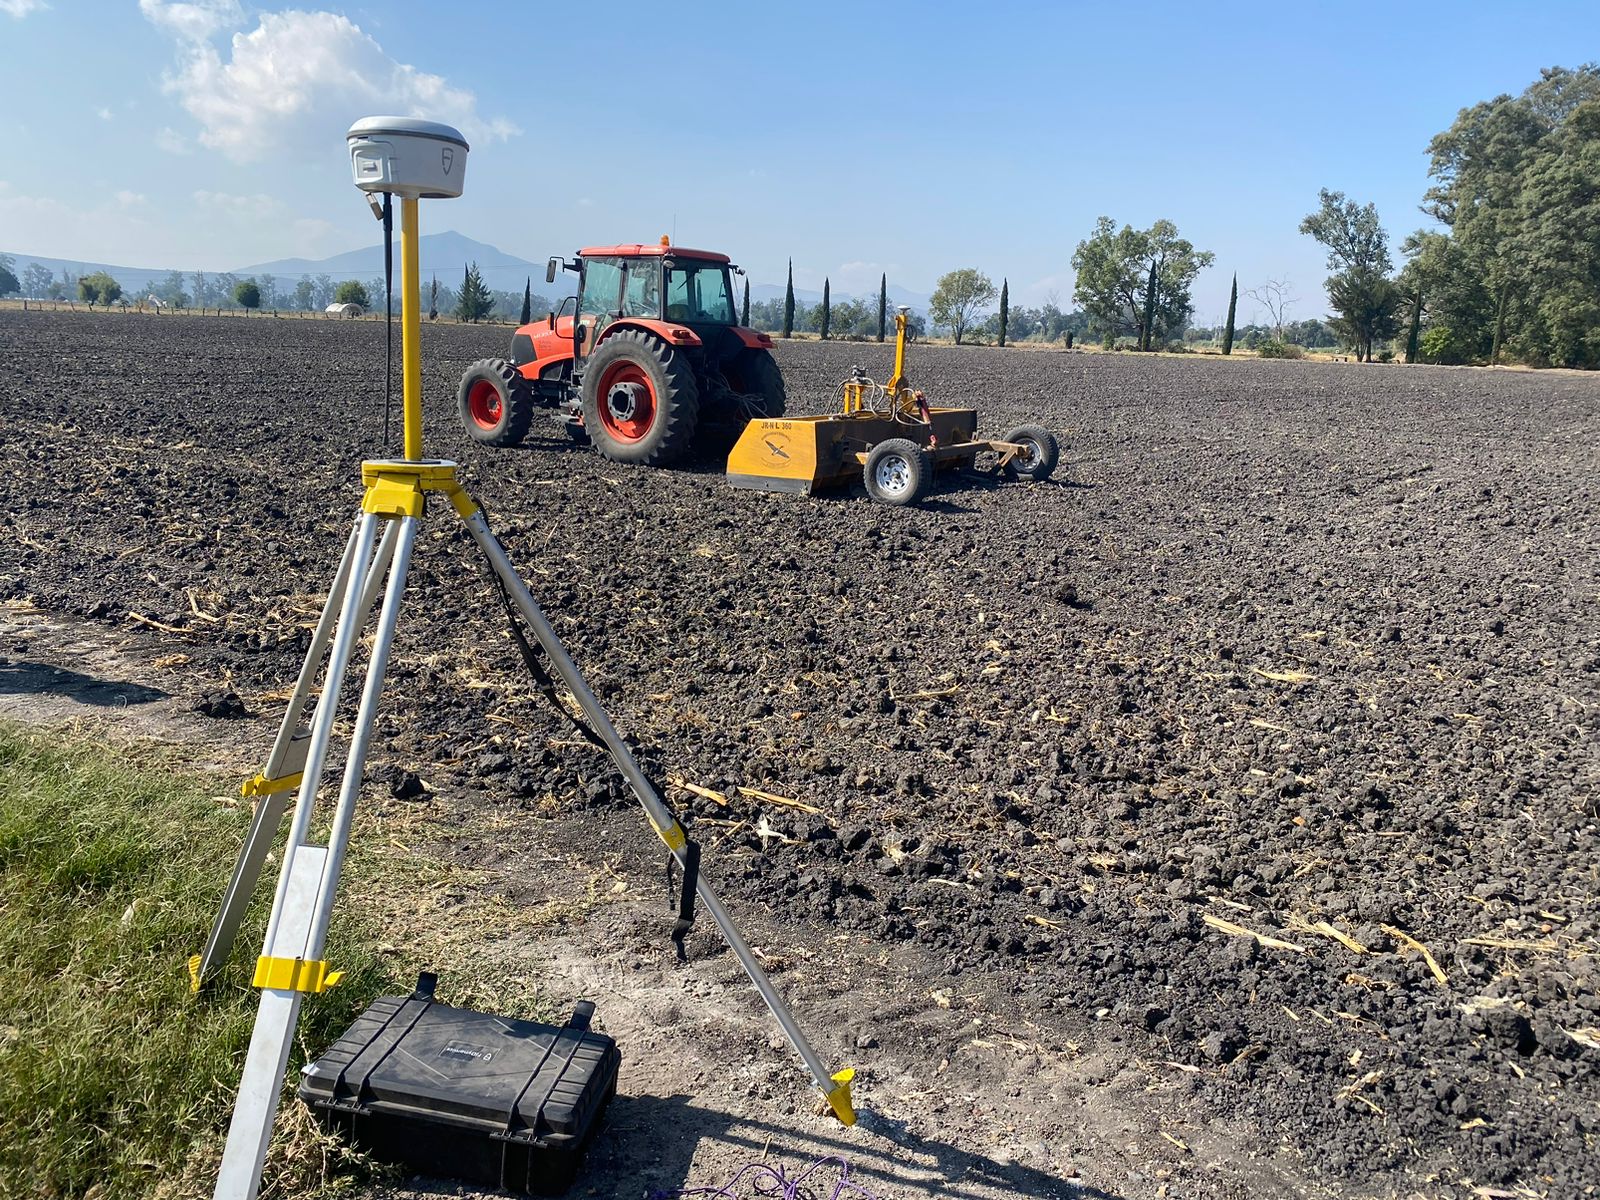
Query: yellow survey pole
x,y
410,329
899,375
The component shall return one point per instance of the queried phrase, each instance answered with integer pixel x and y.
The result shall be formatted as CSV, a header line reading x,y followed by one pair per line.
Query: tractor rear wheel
x,y
898,471
1039,454
495,402
755,373
640,403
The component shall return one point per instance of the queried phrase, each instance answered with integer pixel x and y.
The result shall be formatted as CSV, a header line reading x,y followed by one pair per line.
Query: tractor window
x,y
642,297
602,286
699,292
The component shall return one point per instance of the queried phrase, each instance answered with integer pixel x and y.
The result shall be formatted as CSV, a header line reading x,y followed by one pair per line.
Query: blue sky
x,y
857,138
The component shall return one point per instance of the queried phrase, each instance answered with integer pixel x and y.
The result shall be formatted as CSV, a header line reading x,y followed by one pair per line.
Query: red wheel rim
x,y
635,425
483,404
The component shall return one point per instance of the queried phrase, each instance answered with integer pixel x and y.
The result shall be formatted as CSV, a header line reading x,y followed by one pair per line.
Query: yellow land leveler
x,y
886,432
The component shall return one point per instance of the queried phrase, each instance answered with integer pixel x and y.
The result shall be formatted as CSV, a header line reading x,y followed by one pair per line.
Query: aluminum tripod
x,y
376,557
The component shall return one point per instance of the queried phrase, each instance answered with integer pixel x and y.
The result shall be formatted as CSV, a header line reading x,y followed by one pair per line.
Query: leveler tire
x,y
898,471
755,373
1039,460
495,402
640,403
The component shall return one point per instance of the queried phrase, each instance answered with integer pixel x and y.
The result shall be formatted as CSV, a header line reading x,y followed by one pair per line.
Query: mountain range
x,y
442,254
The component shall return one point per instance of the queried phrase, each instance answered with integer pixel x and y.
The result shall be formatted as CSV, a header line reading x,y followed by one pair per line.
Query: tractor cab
x,y
649,355
660,283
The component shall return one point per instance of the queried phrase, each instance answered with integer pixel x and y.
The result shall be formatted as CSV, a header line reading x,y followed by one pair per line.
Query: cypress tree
x,y
744,316
1414,334
1147,336
527,302
1233,305
826,314
788,303
1005,308
883,305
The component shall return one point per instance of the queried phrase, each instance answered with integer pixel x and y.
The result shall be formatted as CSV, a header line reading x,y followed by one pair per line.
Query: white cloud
x,y
172,141
21,8
103,113
297,80
251,208
194,21
128,199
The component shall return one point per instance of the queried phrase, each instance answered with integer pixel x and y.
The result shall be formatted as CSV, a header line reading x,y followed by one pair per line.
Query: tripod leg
x,y
835,1087
283,763
291,962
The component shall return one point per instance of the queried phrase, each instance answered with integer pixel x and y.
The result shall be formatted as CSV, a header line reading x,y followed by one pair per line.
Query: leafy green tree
x,y
269,291
883,305
1515,181
1005,307
1113,285
248,294
98,288
303,295
202,289
352,291
433,299
225,284
1233,308
1439,345
35,279
957,297
170,291
474,302
826,309
322,291
526,315
1360,289
9,283
788,302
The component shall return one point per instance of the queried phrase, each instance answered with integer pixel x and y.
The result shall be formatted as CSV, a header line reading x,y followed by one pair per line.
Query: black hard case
x,y
467,1095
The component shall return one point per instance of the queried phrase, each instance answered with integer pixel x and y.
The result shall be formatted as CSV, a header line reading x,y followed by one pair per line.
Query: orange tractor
x,y
651,357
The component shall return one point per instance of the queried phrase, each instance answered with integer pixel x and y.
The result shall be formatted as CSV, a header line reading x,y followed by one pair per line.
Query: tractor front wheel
x,y
640,403
495,402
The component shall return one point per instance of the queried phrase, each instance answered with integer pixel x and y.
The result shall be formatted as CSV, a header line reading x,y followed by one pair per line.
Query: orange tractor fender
x,y
552,346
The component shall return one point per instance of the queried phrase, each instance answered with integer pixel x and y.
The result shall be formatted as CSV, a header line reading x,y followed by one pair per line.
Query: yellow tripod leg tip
x,y
194,972
839,1098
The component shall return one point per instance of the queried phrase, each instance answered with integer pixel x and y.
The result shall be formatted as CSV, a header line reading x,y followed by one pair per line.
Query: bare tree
x,y
1275,295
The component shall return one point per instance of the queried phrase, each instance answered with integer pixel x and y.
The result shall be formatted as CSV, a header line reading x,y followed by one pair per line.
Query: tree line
x,y
472,301
1513,273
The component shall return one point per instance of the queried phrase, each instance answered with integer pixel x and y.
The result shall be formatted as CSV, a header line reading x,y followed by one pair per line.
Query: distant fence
x,y
282,314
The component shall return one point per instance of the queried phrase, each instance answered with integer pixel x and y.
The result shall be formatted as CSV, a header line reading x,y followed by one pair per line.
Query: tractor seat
x,y
677,312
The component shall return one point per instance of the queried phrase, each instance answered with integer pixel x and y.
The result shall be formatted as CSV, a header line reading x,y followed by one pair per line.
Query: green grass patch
x,y
116,1081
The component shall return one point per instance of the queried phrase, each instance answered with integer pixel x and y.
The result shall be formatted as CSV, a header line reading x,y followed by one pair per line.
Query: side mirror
x,y
551,268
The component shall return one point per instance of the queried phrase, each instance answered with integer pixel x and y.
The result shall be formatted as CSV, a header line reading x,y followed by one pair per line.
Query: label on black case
x,y
466,1052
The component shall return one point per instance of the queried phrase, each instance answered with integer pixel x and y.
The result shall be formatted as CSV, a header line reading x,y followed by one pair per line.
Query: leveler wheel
x,y
1040,454
640,403
496,403
898,471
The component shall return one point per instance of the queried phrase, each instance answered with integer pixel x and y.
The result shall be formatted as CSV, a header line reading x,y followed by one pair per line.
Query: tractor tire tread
x,y
677,400
1049,452
516,402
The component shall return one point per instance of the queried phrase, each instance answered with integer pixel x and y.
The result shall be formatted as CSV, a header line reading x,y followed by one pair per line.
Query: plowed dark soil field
x,y
1263,739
